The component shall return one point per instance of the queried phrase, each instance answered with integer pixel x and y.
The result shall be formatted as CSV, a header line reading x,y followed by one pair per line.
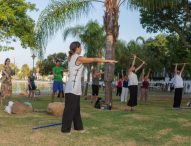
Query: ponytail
x,y
73,47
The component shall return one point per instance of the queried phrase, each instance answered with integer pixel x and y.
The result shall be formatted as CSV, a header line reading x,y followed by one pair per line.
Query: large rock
x,y
56,108
20,108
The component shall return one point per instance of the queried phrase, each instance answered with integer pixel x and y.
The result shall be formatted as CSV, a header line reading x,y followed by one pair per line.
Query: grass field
x,y
155,123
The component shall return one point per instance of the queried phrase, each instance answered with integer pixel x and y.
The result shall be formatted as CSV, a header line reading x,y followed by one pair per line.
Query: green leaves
x,y
15,23
45,66
170,20
154,4
56,15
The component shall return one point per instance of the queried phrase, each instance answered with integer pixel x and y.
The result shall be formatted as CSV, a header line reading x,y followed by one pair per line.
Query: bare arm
x,y
139,66
148,73
143,73
175,69
84,60
133,63
4,72
182,68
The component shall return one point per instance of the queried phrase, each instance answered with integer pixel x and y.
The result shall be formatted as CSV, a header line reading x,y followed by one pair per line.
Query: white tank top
x,y
132,79
73,85
178,81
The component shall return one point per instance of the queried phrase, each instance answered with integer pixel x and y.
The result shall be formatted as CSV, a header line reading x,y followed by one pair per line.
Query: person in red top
x,y
119,87
145,86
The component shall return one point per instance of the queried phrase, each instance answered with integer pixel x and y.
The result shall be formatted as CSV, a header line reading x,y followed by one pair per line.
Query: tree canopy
x,y
45,66
169,19
15,23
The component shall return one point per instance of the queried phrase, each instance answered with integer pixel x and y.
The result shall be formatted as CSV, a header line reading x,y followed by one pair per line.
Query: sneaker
x,y
81,131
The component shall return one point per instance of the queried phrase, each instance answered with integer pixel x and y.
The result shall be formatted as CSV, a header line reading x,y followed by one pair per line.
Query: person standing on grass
x,y
58,83
133,83
31,86
6,83
95,83
73,88
119,87
178,86
125,89
145,86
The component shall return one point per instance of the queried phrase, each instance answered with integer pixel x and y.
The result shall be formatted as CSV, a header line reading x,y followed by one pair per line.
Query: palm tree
x,y
59,12
88,34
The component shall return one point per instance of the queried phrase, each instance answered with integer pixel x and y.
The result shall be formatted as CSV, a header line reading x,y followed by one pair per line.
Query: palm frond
x,y
56,15
74,31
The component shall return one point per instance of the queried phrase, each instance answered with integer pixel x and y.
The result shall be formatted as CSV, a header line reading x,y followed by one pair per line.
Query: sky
x,y
130,29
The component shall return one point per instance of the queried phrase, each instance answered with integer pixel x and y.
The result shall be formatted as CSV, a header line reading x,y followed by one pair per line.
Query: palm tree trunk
x,y
111,27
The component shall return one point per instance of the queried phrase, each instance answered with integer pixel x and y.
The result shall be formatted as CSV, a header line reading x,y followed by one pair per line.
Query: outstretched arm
x,y
148,73
182,68
133,63
175,69
84,60
142,74
139,66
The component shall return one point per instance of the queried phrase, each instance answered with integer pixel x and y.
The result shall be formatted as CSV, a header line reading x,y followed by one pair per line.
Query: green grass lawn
x,y
155,123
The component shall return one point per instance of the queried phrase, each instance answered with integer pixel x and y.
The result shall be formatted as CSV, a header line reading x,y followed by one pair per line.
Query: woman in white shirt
x,y
178,86
133,83
73,88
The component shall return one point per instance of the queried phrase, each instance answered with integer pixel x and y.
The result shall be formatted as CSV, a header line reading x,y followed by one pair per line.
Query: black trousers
x,y
71,113
95,90
119,89
133,95
177,97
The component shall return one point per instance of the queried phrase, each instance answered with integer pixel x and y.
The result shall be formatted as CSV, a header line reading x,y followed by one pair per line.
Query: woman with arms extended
x,y
145,86
73,88
178,86
133,83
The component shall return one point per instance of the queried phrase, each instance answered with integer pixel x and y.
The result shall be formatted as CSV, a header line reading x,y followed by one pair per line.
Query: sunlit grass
x,y
154,123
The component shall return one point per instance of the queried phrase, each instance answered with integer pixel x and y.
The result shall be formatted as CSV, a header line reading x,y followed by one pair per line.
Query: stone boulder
x,y
20,108
56,109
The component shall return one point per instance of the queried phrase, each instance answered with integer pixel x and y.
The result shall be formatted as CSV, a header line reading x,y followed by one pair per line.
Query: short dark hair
x,y
57,61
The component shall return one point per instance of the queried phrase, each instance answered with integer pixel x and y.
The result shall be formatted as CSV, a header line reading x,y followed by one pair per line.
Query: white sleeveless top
x,y
178,81
73,85
133,80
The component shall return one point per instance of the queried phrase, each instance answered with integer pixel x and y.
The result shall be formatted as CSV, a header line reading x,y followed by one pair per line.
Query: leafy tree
x,y
169,19
59,12
45,66
1,67
24,72
15,23
122,56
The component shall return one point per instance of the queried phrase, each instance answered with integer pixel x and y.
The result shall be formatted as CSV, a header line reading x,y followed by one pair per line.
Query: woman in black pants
x,y
133,83
73,88
178,86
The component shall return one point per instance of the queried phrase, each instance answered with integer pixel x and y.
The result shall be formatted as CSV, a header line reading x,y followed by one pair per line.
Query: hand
x,y
143,62
134,56
111,61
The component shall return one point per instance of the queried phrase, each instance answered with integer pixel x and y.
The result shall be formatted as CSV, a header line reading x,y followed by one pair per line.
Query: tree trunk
x,y
111,27
88,79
